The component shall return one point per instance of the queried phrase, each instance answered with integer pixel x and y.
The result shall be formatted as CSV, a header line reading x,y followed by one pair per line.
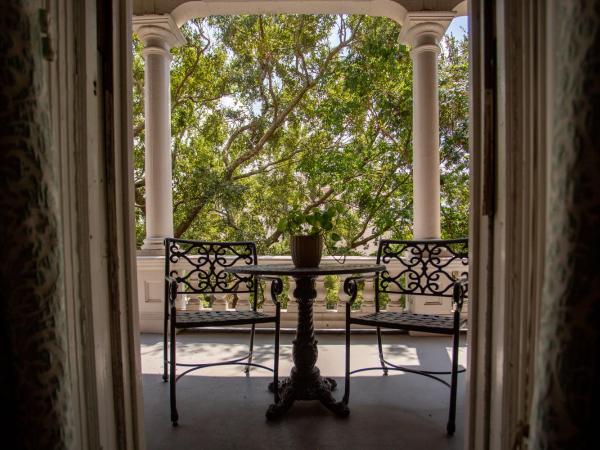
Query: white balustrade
x,y
151,291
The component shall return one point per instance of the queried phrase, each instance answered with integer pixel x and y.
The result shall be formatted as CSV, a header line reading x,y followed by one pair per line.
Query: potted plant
x,y
307,233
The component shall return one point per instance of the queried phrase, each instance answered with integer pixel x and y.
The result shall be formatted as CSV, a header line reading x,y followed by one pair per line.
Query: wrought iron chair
x,y
436,268
197,267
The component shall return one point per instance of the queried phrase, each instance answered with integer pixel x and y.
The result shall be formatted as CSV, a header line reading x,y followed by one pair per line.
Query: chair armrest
x,y
276,286
171,289
458,294
351,286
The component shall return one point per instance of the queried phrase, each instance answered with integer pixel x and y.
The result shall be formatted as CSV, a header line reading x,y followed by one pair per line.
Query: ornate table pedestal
x,y
305,381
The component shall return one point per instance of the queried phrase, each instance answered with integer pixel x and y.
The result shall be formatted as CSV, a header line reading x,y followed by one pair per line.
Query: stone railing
x,y
329,312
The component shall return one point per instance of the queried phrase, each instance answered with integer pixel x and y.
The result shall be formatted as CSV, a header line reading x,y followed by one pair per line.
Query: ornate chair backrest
x,y
421,267
198,266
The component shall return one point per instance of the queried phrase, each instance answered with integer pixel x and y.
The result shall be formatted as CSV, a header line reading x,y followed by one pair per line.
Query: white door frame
x,y
90,102
508,151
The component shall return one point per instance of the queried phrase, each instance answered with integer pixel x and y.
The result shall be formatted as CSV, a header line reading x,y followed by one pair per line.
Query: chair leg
x,y
247,370
276,361
347,380
165,376
381,361
172,378
451,427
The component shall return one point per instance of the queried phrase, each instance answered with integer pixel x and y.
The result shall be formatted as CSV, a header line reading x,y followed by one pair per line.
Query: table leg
x,y
305,381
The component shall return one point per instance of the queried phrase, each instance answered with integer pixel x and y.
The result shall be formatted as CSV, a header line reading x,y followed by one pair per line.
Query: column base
x,y
154,246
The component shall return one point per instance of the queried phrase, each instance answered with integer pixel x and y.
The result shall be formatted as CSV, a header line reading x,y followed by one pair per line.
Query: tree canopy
x,y
282,112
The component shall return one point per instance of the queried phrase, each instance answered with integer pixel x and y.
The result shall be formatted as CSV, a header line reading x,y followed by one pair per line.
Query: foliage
x,y
282,113
360,285
283,297
454,137
260,291
265,295
384,299
332,290
313,223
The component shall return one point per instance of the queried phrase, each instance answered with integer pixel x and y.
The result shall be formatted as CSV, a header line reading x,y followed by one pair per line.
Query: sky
x,y
459,27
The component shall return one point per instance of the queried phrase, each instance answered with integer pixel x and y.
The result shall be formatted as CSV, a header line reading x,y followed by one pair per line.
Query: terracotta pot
x,y
306,250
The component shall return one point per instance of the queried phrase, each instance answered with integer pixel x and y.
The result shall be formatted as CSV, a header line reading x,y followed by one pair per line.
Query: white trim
x,y
386,8
419,23
462,9
425,48
157,51
158,30
62,101
477,421
124,228
97,227
508,246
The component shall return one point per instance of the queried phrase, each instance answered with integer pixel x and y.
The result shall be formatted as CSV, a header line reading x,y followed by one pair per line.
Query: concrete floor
x,y
221,408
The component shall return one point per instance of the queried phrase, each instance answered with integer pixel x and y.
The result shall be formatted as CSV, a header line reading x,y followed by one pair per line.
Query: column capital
x,y
425,29
158,31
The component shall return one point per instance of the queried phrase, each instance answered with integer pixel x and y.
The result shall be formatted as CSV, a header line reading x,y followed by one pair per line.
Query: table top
x,y
291,270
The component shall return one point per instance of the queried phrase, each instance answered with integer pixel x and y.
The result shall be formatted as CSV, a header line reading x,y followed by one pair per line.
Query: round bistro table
x,y
305,381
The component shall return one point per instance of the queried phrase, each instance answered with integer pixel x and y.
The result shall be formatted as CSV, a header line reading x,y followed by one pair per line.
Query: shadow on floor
x,y
400,411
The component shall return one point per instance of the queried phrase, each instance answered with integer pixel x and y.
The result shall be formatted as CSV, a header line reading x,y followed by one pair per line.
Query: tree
x,y
454,137
271,113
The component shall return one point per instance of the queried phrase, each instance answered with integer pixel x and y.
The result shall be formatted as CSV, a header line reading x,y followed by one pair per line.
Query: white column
x,y
159,33
422,31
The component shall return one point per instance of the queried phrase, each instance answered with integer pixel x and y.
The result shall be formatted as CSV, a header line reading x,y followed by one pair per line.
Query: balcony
x,y
221,408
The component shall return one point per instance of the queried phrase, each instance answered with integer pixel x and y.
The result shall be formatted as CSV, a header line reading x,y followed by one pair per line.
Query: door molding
x,y
91,122
508,133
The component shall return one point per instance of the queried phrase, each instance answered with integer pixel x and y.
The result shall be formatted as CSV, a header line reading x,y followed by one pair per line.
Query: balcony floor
x,y
221,408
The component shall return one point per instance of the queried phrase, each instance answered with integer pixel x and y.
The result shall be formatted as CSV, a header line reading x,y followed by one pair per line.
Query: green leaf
x,y
282,225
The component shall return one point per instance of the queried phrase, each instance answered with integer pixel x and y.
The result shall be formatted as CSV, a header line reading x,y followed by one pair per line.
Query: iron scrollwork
x,y
437,268
171,290
199,267
351,286
205,262
276,289
459,293
426,266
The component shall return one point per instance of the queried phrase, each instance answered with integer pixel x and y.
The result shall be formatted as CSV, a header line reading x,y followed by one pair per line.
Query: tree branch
x,y
186,77
371,237
278,120
266,166
140,201
228,218
379,200
190,217
281,117
233,137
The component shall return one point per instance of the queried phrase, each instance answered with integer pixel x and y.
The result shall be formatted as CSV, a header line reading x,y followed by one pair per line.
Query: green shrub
x,y
262,295
384,299
359,295
332,291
